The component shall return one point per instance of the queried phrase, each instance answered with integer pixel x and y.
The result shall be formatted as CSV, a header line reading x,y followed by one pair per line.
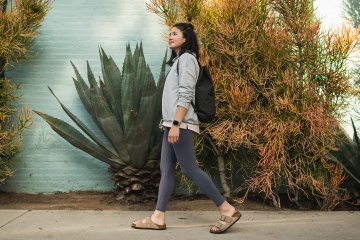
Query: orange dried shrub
x,y
10,129
19,21
281,85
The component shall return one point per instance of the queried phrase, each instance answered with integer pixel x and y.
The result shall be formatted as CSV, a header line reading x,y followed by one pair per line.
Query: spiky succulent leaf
x,y
148,100
156,136
128,90
105,118
106,93
112,80
130,58
356,136
155,151
136,53
108,123
84,128
79,78
84,95
78,140
82,89
140,77
348,155
91,77
137,138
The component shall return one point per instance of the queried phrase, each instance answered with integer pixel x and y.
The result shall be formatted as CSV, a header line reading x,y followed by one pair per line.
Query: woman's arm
x,y
188,69
174,132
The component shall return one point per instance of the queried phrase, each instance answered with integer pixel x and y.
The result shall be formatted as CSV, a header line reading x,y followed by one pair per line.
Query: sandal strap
x,y
148,220
219,225
226,219
225,222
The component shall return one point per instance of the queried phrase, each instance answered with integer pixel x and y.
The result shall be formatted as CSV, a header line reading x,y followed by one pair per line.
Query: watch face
x,y
177,123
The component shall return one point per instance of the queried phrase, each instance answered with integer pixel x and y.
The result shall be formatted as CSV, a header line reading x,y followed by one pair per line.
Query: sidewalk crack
x,y
12,220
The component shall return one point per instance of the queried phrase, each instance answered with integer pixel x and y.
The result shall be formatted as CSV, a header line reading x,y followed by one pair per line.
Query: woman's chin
x,y
173,47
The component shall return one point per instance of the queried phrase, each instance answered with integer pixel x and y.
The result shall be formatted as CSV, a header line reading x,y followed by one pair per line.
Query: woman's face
x,y
176,39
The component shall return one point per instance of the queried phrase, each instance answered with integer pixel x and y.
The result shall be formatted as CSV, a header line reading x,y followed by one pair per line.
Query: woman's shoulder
x,y
188,57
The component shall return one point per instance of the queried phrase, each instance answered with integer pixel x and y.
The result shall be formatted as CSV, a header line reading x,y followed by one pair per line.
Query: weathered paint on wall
x,y
73,30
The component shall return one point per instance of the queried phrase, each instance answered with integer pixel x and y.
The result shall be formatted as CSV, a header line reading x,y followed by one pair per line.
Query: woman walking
x,y
179,123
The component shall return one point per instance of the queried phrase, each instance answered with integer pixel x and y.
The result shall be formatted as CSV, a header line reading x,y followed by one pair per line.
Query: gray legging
x,y
183,152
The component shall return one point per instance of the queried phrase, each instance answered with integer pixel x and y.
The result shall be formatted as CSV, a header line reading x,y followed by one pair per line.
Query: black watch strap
x,y
176,123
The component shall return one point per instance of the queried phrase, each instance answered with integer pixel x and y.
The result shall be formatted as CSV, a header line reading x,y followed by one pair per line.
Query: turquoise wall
x,y
73,30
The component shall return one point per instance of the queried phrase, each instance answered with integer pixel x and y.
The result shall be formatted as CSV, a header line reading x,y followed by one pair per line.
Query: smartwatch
x,y
176,123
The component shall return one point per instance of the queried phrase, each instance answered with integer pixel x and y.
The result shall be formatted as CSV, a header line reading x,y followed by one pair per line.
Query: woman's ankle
x,y
158,217
158,214
226,208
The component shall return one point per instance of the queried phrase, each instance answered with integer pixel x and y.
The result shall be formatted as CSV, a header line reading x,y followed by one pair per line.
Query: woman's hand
x,y
174,134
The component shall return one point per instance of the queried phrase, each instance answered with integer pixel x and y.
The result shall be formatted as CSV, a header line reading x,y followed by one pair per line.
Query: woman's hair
x,y
191,43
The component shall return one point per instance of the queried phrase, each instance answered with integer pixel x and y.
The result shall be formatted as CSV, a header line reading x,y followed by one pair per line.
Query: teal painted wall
x,y
73,30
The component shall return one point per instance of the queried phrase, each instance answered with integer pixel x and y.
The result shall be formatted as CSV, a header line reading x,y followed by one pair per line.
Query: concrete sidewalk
x,y
108,225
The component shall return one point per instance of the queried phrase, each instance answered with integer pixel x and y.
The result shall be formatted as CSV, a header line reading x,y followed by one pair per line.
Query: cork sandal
x,y
148,224
229,221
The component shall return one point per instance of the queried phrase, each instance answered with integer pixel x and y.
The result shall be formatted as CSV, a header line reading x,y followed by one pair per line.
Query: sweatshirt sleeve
x,y
188,74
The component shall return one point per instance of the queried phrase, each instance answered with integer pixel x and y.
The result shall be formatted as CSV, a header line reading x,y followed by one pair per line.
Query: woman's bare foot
x,y
157,217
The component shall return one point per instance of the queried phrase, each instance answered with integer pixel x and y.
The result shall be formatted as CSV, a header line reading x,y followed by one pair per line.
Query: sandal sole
x,y
147,228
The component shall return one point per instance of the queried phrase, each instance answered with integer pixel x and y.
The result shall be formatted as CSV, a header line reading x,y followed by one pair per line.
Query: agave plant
x,y
348,156
126,106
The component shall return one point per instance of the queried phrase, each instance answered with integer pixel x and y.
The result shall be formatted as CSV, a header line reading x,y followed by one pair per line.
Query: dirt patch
x,y
105,201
